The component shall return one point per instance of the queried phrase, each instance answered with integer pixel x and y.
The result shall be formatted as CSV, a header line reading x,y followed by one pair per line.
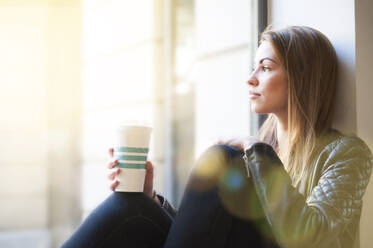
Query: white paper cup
x,y
131,148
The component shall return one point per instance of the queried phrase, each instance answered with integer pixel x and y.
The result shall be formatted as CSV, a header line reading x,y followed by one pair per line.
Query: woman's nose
x,y
252,81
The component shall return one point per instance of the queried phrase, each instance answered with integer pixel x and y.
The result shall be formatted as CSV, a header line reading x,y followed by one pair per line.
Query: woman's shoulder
x,y
339,145
336,140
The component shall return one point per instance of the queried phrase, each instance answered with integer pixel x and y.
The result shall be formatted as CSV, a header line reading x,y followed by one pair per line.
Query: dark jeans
x,y
219,209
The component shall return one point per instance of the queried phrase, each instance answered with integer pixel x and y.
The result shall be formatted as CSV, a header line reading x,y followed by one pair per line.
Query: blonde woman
x,y
299,183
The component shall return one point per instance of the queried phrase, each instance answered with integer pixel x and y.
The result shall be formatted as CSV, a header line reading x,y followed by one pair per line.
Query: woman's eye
x,y
265,68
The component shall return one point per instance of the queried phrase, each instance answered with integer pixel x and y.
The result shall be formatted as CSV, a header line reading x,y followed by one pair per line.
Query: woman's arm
x,y
334,204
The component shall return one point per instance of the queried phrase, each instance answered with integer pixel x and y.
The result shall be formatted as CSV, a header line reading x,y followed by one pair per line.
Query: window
x,y
214,42
182,65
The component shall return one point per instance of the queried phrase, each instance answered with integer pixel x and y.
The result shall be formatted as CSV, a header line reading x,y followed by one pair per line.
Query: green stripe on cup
x,y
131,166
131,149
131,157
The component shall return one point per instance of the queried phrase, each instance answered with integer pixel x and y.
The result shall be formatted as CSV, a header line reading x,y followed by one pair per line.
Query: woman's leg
x,y
123,220
219,206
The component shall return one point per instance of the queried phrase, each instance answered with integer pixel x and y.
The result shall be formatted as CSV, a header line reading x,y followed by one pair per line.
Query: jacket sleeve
x,y
166,206
335,201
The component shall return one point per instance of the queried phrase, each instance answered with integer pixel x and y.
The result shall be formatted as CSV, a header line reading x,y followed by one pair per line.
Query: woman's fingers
x,y
239,143
222,141
149,168
149,177
114,185
113,173
111,152
112,163
228,142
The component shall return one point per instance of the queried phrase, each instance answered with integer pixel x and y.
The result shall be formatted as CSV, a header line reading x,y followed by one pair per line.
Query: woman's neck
x,y
282,128
282,137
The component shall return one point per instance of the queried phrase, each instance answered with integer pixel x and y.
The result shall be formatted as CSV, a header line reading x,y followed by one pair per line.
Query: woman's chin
x,y
257,110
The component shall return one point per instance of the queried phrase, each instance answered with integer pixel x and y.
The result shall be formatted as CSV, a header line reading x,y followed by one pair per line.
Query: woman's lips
x,y
253,95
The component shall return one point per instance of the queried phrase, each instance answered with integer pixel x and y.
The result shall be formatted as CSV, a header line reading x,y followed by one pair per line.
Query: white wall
x,y
348,24
23,119
327,16
364,102
38,121
64,118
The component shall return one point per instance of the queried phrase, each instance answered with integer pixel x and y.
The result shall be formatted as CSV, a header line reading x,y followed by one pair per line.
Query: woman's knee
x,y
216,165
223,168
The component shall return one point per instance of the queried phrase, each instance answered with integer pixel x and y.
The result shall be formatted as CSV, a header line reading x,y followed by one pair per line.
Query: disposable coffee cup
x,y
131,147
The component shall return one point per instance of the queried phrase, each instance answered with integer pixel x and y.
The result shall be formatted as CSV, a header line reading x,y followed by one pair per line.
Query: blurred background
x,y
71,69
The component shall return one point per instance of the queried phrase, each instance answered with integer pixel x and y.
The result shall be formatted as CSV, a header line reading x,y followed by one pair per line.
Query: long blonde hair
x,y
311,66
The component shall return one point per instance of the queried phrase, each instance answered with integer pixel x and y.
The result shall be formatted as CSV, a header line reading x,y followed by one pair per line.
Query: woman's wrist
x,y
155,197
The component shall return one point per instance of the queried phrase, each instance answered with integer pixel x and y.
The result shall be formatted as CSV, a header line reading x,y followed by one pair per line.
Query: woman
x,y
301,184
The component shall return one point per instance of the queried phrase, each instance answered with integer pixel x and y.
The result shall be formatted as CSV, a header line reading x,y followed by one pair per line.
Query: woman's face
x,y
268,86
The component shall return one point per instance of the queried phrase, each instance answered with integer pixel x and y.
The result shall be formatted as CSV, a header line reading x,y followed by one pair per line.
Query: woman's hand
x,y
242,143
149,176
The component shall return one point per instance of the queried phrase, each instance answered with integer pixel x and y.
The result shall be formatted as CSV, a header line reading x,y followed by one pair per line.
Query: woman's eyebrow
x,y
267,58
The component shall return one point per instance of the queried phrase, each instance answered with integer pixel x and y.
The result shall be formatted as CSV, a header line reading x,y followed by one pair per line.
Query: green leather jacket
x,y
324,210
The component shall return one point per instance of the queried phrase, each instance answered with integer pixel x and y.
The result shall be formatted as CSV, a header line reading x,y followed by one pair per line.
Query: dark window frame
x,y
262,24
